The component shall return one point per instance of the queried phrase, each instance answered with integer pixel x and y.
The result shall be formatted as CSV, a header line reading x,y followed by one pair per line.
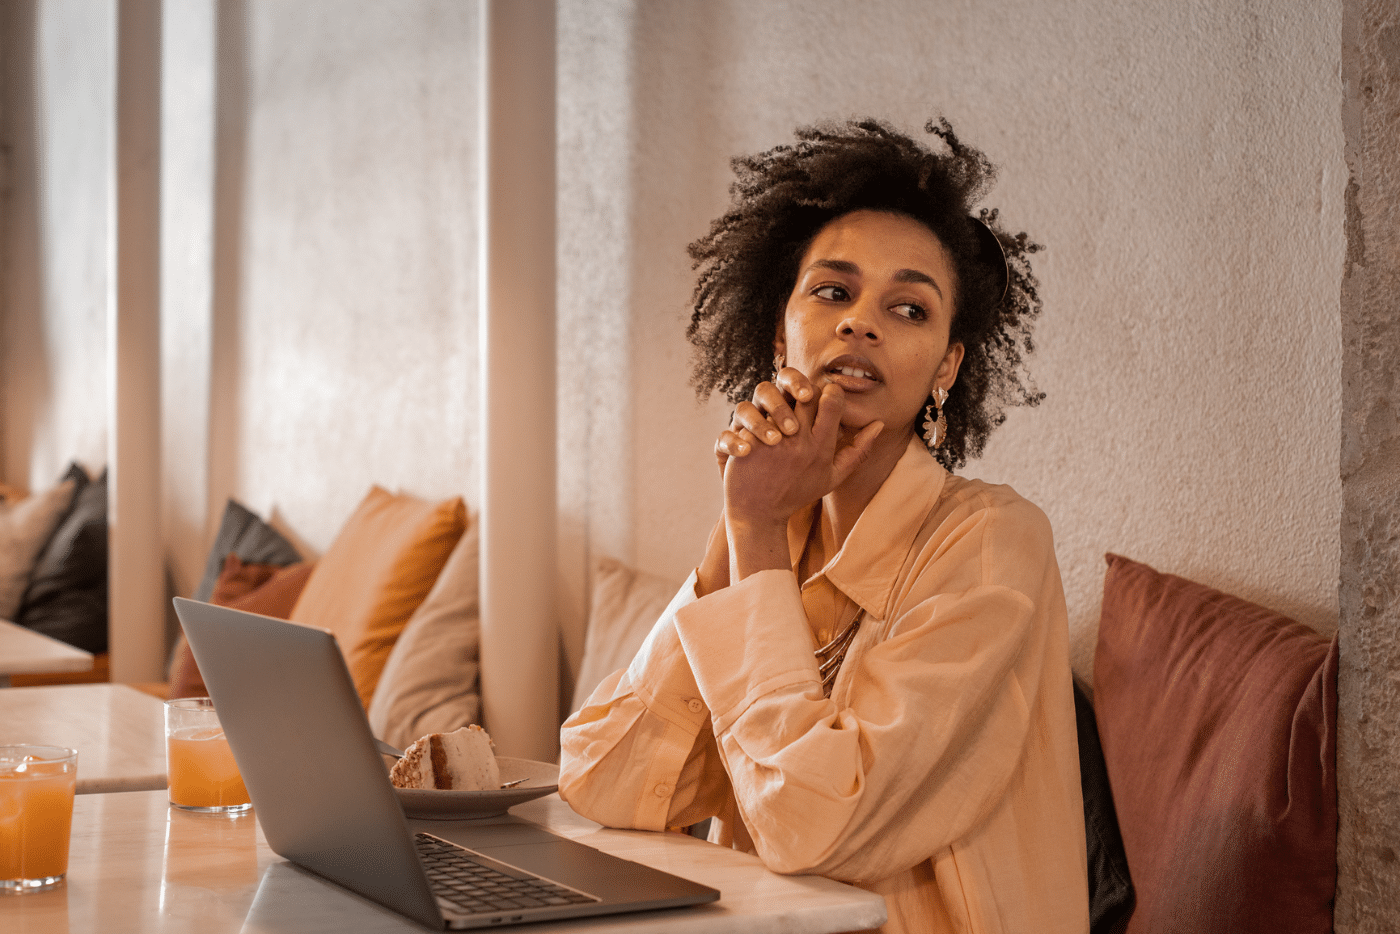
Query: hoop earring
x,y
935,423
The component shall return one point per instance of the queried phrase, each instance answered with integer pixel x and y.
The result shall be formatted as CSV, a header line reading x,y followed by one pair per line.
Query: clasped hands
x,y
782,451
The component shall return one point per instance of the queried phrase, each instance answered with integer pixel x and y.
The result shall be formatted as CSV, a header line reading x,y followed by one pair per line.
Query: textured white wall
x,y
350,356
53,338
190,80
1181,162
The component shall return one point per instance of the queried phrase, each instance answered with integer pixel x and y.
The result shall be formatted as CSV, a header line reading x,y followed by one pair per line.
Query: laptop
x,y
322,794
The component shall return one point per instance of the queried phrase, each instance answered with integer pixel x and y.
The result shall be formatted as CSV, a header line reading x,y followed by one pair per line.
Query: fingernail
x,y
789,426
771,435
742,448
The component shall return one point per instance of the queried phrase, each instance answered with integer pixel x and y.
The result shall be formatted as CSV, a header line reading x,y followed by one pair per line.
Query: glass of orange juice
x,y
200,766
36,815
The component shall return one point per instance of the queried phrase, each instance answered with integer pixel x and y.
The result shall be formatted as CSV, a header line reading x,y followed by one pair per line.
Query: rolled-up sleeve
x,y
640,753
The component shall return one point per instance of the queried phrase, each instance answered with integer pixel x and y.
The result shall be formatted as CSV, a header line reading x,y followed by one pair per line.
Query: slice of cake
x,y
457,761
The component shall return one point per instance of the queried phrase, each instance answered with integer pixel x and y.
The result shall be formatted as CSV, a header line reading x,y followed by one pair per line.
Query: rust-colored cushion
x,y
265,589
381,565
1218,724
237,578
279,595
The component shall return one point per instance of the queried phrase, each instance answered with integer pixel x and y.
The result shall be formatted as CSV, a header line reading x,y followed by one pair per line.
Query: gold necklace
x,y
831,655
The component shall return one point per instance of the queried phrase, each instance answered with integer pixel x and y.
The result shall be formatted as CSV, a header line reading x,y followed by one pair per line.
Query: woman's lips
x,y
853,374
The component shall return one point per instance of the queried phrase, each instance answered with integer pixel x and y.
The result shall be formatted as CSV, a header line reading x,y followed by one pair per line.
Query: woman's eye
x,y
832,293
911,311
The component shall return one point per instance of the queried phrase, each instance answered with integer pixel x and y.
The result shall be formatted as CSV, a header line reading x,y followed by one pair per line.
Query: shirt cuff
x,y
746,641
660,673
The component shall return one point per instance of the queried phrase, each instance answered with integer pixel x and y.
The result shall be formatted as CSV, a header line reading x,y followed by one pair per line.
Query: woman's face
x,y
871,312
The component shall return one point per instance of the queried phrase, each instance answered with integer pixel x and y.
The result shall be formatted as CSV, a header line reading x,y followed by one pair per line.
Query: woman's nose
x,y
858,323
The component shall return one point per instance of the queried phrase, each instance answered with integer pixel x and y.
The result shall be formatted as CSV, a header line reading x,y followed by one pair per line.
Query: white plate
x,y
541,778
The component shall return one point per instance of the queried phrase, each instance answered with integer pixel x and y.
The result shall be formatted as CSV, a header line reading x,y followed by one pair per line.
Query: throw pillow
x,y
264,589
381,565
429,683
238,578
1218,723
279,594
243,533
67,593
25,527
626,604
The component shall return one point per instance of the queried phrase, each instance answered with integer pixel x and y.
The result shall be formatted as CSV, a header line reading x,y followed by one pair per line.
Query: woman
x,y
867,677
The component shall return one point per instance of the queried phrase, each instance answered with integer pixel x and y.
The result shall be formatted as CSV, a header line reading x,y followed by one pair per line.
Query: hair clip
x,y
992,252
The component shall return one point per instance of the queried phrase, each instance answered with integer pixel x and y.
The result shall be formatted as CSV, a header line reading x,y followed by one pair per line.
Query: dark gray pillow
x,y
1110,887
242,533
67,593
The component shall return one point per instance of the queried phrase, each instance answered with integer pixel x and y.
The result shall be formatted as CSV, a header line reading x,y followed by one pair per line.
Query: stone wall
x,y
1368,741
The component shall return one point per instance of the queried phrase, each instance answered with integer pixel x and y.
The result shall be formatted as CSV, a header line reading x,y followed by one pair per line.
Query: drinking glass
x,y
36,815
202,773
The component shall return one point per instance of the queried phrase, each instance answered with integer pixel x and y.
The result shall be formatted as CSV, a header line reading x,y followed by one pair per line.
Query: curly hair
x,y
748,263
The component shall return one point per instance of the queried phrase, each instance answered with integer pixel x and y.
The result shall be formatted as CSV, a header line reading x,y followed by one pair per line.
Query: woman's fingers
x,y
734,442
772,401
850,457
770,415
826,428
831,405
756,422
795,383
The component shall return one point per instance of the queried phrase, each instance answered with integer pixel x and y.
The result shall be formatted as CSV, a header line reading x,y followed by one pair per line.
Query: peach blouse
x,y
942,772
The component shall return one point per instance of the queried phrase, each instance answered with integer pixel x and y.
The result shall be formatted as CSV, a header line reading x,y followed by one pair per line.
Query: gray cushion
x,y
67,593
242,533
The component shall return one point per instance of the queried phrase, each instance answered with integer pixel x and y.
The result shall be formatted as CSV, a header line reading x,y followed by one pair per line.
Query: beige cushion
x,y
626,604
429,683
25,527
378,570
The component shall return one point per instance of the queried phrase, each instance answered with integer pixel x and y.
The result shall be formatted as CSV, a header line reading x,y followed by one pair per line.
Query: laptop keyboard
x,y
465,880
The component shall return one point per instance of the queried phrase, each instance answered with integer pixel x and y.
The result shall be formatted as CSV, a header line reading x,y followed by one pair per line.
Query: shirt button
x,y
694,705
662,790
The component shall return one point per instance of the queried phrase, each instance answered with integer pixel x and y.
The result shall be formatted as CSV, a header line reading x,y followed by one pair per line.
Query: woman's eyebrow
x,y
836,265
913,275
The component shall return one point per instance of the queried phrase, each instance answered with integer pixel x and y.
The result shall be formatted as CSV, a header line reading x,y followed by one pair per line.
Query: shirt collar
x,y
868,564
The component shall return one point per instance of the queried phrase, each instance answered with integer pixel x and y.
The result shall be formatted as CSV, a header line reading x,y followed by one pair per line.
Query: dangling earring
x,y
778,361
935,424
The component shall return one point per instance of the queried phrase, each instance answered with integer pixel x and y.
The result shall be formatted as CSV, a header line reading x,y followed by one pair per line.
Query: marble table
x,y
137,864
24,651
118,731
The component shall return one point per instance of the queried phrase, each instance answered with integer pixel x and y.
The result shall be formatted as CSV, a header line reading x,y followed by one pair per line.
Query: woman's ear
x,y
947,373
779,344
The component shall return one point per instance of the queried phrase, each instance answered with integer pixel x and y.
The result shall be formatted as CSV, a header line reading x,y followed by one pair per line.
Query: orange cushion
x,y
376,572
264,589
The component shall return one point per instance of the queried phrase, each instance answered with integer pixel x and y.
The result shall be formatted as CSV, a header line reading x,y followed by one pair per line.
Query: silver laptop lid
x,y
298,731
